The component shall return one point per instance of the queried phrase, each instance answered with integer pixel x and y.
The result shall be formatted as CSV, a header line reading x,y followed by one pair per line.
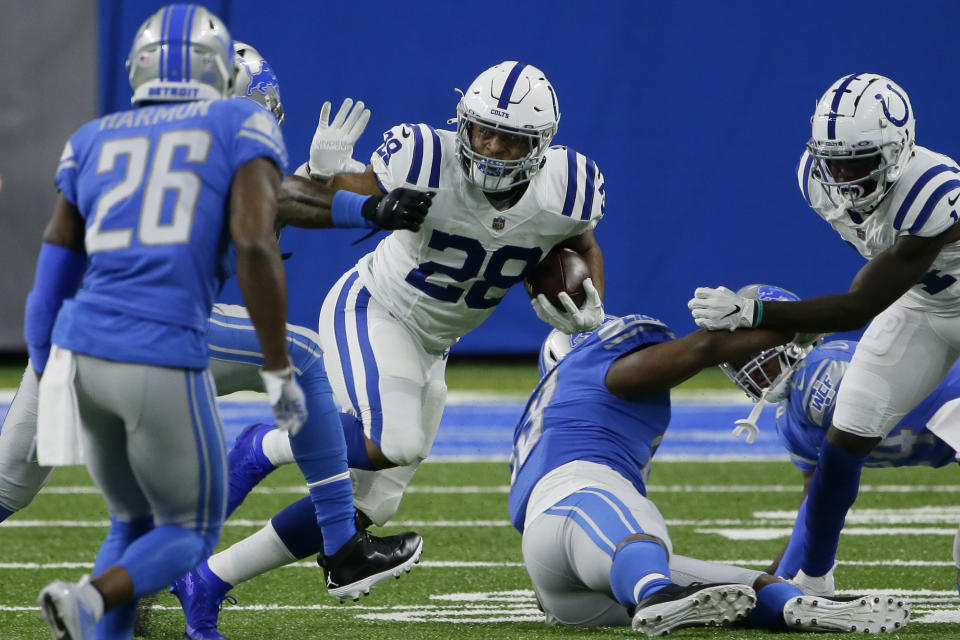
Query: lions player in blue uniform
x,y
893,201
805,382
149,201
597,550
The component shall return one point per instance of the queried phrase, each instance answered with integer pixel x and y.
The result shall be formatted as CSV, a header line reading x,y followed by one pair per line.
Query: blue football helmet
x,y
255,79
766,375
182,52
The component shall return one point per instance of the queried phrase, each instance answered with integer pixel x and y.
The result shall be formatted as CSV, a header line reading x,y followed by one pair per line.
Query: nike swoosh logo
x,y
404,132
736,309
953,200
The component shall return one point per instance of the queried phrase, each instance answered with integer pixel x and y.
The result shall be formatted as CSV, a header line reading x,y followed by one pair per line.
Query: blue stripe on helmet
x,y
187,28
915,190
571,183
588,190
435,166
414,174
164,20
837,96
932,201
508,86
178,15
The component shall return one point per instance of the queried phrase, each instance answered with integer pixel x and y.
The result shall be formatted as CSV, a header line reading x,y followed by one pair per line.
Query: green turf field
x,y
900,542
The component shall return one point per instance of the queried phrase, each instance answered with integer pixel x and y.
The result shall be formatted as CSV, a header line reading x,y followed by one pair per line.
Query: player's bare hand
x,y
400,209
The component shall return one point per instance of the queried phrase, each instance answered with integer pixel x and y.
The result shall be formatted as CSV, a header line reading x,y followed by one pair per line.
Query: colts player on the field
x,y
596,548
503,198
895,203
805,381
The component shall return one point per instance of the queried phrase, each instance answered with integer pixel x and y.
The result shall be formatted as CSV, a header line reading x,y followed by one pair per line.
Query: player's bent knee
x,y
404,451
637,537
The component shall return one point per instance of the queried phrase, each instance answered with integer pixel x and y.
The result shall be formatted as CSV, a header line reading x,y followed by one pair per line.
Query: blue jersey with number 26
x,y
803,418
153,187
573,416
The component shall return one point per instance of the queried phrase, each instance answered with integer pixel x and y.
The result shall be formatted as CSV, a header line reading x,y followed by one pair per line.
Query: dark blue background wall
x,y
696,112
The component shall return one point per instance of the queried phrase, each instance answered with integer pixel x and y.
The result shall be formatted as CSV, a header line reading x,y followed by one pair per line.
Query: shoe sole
x,y
53,618
362,587
869,614
715,606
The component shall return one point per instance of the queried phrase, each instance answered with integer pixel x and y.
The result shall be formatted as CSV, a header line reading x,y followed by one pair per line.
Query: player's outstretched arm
x,y
663,366
253,198
772,569
60,268
311,204
875,287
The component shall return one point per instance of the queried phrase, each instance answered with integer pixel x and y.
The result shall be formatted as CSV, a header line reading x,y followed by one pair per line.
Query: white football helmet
x,y
255,79
514,98
182,52
766,375
558,344
863,136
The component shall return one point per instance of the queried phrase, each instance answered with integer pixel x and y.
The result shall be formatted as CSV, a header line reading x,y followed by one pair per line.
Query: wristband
x,y
757,314
346,210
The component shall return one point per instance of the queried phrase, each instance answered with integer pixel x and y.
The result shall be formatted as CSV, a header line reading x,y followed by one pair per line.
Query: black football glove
x,y
400,209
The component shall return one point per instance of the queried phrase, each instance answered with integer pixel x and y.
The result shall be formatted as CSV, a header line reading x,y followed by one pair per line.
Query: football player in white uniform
x,y
895,203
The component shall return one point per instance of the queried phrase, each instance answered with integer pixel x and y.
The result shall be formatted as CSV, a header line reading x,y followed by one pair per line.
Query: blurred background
x,y
696,112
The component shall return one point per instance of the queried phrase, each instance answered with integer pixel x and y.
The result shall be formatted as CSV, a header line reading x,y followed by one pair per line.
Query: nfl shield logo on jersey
x,y
861,234
498,223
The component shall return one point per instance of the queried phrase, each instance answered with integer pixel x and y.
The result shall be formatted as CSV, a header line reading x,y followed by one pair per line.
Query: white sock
x,y
250,557
91,596
276,446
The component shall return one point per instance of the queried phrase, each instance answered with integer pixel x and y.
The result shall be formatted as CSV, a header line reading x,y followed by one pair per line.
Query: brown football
x,y
562,270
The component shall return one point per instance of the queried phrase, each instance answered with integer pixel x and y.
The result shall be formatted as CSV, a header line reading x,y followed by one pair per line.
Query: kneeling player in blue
x,y
805,383
597,550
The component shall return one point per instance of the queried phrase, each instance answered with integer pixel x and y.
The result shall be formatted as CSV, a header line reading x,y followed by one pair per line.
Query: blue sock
x,y
793,555
157,559
298,529
632,563
833,489
357,457
768,614
5,513
321,454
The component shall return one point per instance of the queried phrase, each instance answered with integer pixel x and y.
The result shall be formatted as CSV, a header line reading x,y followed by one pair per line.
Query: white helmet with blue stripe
x,y
766,375
255,79
513,99
182,52
863,131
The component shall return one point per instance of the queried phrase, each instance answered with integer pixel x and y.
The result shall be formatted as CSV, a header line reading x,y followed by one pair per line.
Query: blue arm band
x,y
59,272
346,210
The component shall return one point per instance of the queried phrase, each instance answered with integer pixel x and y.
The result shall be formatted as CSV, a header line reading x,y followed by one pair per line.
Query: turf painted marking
x,y
772,533
917,515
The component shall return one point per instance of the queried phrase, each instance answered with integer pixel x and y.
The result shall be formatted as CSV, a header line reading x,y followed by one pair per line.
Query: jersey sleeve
x,y
258,136
66,177
574,187
789,430
929,206
410,156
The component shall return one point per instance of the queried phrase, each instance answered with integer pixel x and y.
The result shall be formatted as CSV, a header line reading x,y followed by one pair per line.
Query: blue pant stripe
x,y
371,373
216,441
619,505
202,459
234,339
605,545
607,518
343,349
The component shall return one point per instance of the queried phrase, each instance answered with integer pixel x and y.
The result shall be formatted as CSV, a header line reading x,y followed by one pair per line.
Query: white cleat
x,y
67,612
674,607
816,586
865,614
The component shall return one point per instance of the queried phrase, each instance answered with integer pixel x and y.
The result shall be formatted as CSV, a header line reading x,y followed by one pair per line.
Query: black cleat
x,y
674,607
365,560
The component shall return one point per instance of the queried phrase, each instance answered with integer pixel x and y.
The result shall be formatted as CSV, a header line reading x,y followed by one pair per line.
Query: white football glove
x,y
286,396
573,320
720,308
332,148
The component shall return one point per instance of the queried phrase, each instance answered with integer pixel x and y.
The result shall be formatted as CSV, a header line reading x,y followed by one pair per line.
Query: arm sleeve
x,y
59,272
